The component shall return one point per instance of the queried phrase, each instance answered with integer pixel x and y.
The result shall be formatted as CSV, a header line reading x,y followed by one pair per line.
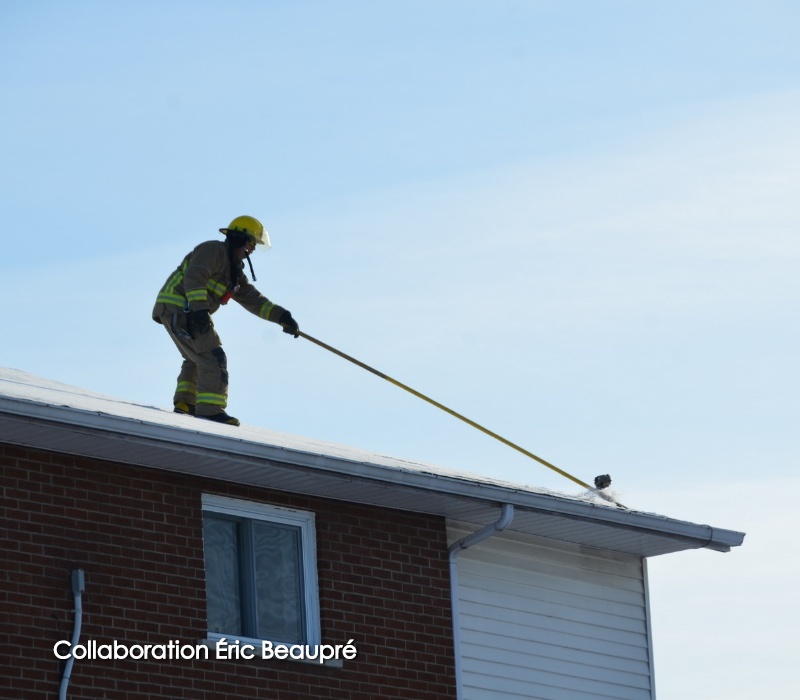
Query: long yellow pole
x,y
456,415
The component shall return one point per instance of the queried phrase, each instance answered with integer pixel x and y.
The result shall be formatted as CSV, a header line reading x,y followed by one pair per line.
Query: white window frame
x,y
305,521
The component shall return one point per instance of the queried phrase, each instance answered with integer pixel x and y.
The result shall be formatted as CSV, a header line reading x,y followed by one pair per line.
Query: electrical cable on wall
x,y
78,586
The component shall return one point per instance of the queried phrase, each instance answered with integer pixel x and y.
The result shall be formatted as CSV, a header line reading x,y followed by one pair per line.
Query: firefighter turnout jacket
x,y
203,282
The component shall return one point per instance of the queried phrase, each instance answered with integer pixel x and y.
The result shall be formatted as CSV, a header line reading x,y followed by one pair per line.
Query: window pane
x,y
221,544
279,576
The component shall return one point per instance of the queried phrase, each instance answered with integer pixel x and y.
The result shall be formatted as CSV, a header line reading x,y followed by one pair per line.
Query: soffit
x,y
63,419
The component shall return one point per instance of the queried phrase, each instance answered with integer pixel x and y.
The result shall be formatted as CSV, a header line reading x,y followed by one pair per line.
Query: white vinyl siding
x,y
551,621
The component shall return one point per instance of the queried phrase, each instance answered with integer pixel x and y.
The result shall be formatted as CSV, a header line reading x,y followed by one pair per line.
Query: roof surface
x,y
48,415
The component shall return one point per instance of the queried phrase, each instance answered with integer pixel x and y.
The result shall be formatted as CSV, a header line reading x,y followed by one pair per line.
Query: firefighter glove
x,y
289,324
199,322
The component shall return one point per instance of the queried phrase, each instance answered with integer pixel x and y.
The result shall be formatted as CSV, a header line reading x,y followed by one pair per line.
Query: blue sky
x,y
574,222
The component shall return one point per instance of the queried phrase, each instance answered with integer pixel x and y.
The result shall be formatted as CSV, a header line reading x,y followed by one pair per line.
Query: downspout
x,y
649,628
506,516
78,586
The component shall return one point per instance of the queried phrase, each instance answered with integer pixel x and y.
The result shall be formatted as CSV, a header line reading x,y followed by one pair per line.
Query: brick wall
x,y
137,534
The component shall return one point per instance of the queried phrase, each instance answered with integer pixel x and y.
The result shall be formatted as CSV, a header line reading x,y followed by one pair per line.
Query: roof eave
x,y
151,443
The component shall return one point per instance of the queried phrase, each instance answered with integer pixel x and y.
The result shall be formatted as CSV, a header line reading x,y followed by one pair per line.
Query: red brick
x,y
137,533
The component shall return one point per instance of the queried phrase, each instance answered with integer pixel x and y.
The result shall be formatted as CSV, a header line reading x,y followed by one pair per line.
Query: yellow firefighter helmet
x,y
250,227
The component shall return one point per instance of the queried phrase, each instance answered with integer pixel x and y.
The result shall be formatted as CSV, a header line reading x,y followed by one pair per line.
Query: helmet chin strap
x,y
249,262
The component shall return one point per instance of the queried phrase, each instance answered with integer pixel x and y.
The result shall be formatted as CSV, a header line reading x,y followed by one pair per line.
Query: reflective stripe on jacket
x,y
201,280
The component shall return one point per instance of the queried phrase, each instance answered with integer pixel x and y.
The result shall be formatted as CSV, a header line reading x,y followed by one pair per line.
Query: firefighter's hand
x,y
199,322
289,324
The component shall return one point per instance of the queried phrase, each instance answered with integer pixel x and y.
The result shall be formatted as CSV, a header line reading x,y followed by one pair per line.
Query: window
x,y
261,572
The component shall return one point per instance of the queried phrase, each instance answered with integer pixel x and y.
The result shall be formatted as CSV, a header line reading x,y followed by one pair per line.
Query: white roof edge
x,y
142,423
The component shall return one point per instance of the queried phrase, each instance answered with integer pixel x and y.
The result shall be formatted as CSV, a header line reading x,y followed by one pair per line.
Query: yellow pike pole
x,y
457,415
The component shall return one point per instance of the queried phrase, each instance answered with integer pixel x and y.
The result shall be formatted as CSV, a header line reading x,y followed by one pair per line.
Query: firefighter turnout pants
x,y
203,379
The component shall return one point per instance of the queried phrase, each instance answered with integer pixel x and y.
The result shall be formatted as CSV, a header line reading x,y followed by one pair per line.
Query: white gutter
x,y
506,516
65,419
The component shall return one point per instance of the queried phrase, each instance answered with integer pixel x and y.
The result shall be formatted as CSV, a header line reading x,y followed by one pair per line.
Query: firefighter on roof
x,y
211,275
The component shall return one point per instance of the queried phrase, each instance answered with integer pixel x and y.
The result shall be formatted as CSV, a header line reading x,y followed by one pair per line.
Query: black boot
x,y
221,417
